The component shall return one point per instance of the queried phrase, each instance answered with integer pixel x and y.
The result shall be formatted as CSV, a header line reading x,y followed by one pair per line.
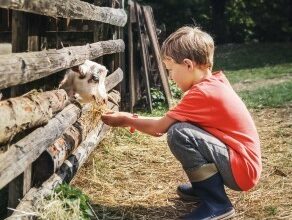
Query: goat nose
x,y
105,100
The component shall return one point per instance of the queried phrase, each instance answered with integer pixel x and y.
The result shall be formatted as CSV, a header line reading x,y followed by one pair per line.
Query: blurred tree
x,y
271,19
218,20
228,20
240,23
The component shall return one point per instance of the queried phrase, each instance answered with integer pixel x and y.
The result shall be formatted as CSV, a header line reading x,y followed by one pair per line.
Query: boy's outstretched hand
x,y
116,119
149,125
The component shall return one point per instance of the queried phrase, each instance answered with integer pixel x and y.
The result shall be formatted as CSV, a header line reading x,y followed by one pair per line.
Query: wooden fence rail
x,y
65,173
20,68
39,130
21,154
29,111
73,9
55,155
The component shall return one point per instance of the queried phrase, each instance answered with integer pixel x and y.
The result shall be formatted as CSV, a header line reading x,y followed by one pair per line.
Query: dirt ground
x,y
135,177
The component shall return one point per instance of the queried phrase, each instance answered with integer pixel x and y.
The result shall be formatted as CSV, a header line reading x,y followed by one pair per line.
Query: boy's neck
x,y
201,74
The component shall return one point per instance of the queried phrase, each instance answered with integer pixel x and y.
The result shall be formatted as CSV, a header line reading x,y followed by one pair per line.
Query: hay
x,y
51,208
135,176
57,208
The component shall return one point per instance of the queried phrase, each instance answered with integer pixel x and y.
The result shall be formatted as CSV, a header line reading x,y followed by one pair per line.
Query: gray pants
x,y
194,147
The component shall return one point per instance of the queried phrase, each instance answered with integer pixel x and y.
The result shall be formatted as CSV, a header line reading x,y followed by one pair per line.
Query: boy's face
x,y
179,73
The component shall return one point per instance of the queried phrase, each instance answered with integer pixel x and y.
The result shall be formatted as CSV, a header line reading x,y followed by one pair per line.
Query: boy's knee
x,y
180,143
176,135
172,131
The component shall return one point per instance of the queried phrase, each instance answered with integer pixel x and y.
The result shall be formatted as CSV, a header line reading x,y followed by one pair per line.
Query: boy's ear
x,y
190,64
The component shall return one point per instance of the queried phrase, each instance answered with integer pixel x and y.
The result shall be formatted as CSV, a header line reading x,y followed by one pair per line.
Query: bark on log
x,y
113,79
21,154
73,9
56,154
64,174
20,68
28,111
74,135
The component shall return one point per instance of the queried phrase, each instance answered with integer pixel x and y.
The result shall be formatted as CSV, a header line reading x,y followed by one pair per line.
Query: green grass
x,y
259,73
254,61
270,96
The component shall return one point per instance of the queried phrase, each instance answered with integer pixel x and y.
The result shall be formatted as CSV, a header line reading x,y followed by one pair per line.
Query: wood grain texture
x,y
60,150
73,9
151,30
20,68
21,154
66,171
28,111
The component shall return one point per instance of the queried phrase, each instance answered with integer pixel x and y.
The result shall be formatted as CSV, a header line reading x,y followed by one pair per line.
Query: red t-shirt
x,y
215,107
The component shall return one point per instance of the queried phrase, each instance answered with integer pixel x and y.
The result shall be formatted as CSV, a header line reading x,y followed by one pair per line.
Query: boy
x,y
210,131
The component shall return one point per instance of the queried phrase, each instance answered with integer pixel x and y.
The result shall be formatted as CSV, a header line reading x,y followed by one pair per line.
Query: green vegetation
x,y
228,21
247,64
158,99
175,91
254,61
258,62
272,96
71,194
65,201
271,210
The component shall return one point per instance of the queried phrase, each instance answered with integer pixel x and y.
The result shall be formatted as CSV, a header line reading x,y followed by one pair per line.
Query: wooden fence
x,y
44,146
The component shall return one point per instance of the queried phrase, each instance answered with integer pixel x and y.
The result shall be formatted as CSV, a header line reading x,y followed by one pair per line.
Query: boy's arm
x,y
152,126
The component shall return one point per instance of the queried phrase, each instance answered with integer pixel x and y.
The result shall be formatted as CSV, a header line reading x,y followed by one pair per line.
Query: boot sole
x,y
225,216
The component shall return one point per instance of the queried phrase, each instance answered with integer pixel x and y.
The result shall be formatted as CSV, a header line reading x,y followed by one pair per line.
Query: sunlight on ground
x,y
5,48
135,177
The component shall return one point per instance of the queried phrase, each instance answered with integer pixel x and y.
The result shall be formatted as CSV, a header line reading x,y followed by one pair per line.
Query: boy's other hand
x,y
116,119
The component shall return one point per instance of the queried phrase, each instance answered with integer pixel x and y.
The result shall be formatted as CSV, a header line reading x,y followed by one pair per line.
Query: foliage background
x,y
229,21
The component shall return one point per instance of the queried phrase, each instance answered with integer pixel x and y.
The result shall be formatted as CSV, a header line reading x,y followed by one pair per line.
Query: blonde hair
x,y
189,43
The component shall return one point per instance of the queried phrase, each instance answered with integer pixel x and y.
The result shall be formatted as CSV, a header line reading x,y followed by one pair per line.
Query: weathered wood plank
x,y
19,28
151,29
73,9
55,155
27,174
21,154
20,68
73,136
142,40
15,192
68,169
30,110
113,79
132,89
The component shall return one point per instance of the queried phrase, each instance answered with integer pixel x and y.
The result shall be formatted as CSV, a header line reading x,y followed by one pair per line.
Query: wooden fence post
x,y
19,44
142,40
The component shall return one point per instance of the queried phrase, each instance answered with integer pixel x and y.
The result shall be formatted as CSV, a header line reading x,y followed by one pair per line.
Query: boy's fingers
x,y
108,113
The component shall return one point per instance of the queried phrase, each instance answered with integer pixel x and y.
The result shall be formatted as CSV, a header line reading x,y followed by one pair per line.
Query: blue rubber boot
x,y
215,203
187,193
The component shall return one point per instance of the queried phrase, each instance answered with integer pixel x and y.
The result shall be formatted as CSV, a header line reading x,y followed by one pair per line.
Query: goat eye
x,y
95,78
